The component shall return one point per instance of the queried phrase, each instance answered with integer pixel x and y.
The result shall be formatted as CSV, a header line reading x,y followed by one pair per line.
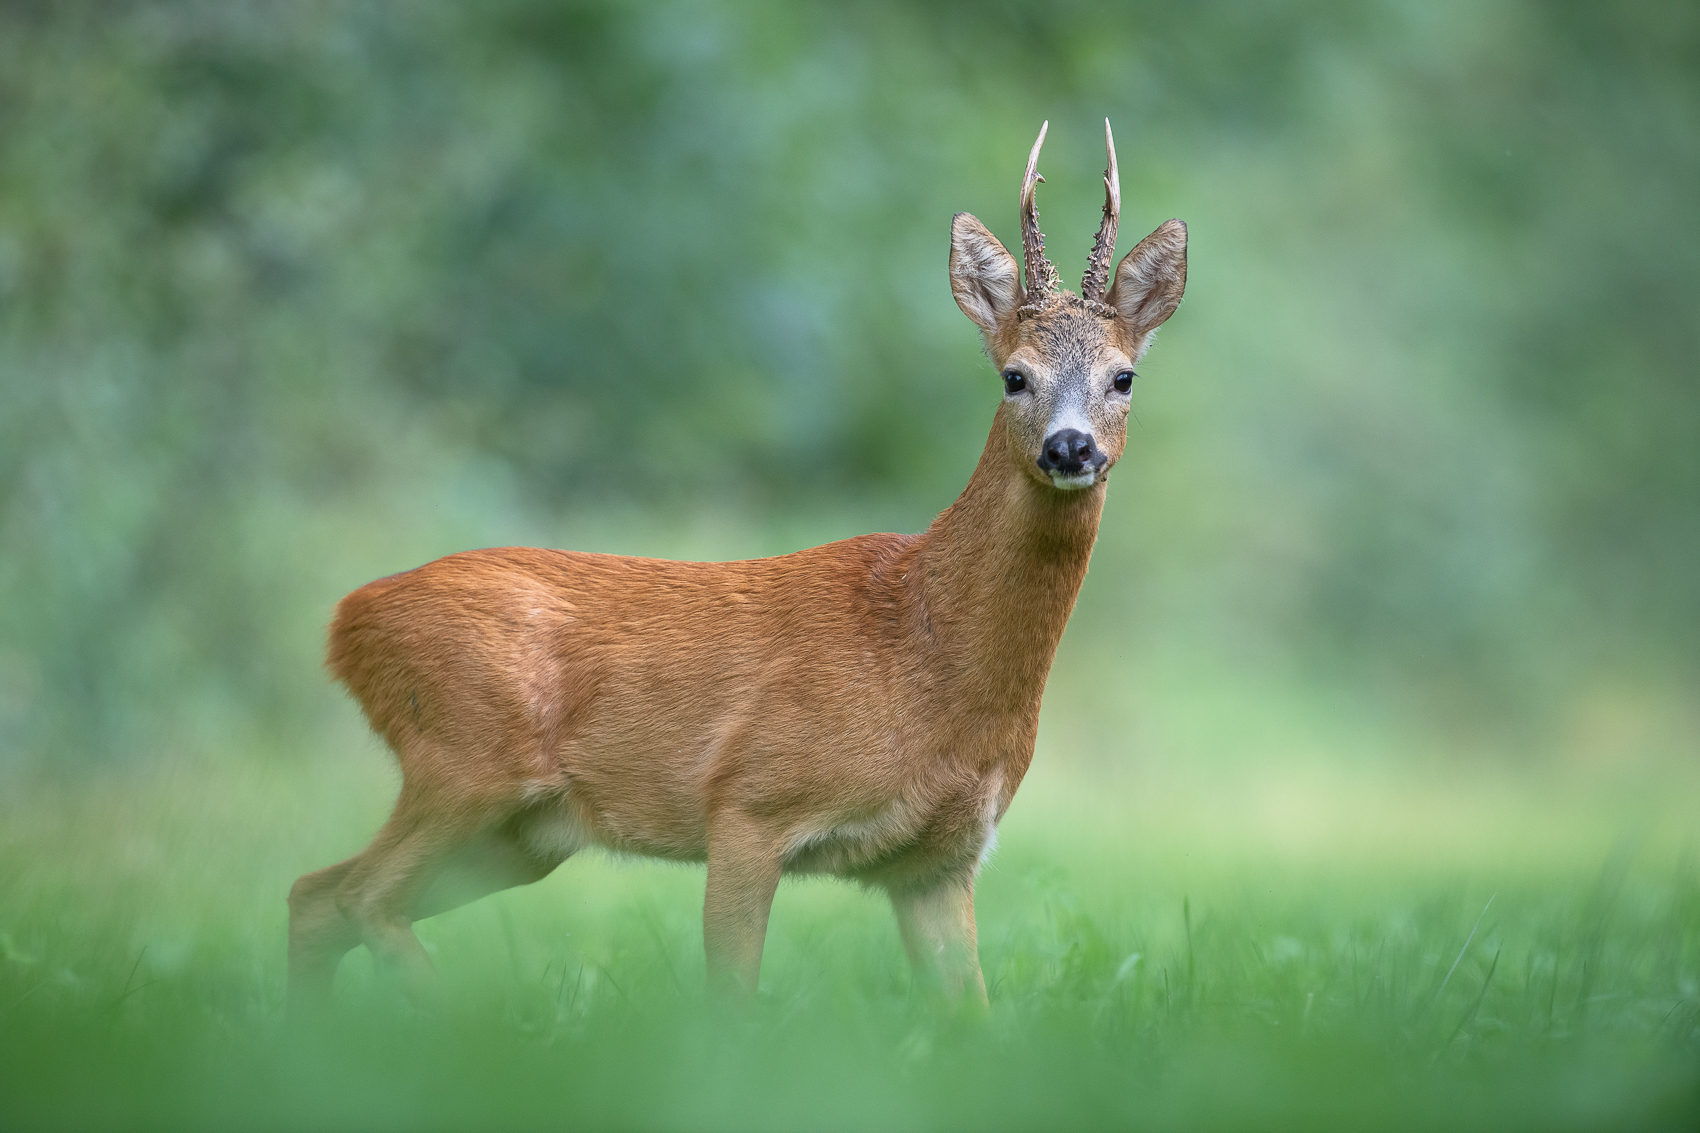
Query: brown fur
x,y
866,708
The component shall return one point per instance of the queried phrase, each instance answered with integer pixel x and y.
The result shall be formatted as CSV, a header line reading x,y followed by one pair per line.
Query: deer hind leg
x,y
319,936
937,925
502,857
436,852
365,900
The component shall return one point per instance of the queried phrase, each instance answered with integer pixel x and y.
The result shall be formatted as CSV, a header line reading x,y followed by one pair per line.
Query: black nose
x,y
1068,451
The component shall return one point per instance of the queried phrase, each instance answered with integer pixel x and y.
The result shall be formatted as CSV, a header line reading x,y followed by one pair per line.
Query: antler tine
x,y
1097,279
1041,276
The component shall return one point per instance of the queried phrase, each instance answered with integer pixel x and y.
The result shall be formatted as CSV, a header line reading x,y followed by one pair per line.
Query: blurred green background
x,y
296,295
1400,568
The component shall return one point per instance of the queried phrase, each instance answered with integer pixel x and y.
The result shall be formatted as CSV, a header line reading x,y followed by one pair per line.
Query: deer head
x,y
1066,360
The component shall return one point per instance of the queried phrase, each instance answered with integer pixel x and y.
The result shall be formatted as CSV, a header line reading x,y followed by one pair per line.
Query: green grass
x,y
1303,947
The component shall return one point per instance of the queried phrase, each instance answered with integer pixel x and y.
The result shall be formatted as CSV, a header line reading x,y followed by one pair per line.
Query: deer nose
x,y
1069,451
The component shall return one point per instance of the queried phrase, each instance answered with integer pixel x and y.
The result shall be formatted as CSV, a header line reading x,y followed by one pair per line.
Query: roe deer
x,y
866,708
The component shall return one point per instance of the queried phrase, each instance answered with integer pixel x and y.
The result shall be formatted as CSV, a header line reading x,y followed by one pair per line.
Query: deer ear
x,y
1151,279
983,276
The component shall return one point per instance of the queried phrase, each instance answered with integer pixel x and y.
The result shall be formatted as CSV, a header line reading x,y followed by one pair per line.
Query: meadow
x,y
1282,940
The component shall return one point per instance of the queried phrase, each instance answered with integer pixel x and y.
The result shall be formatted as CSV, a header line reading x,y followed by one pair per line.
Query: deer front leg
x,y
937,924
743,873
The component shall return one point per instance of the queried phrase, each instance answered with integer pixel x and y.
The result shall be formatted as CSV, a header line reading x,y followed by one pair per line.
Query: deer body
x,y
850,690
865,708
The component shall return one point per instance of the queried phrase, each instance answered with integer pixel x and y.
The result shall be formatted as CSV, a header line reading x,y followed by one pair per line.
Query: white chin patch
x,y
1075,482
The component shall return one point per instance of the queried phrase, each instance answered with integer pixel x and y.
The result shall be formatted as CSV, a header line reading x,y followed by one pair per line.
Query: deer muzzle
x,y
1071,458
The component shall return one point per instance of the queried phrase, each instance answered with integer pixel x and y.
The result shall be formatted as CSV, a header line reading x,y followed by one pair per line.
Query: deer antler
x,y
1041,276
1096,281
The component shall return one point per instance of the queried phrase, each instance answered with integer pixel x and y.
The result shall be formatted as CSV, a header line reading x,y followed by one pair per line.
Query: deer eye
x,y
1013,382
1124,381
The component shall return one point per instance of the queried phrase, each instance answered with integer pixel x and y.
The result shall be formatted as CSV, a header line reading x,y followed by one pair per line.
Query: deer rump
x,y
578,701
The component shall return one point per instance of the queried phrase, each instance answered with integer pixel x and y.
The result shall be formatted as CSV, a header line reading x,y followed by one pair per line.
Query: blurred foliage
x,y
294,294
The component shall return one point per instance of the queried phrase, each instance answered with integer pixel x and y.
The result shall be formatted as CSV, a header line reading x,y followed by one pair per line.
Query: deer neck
x,y
998,574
